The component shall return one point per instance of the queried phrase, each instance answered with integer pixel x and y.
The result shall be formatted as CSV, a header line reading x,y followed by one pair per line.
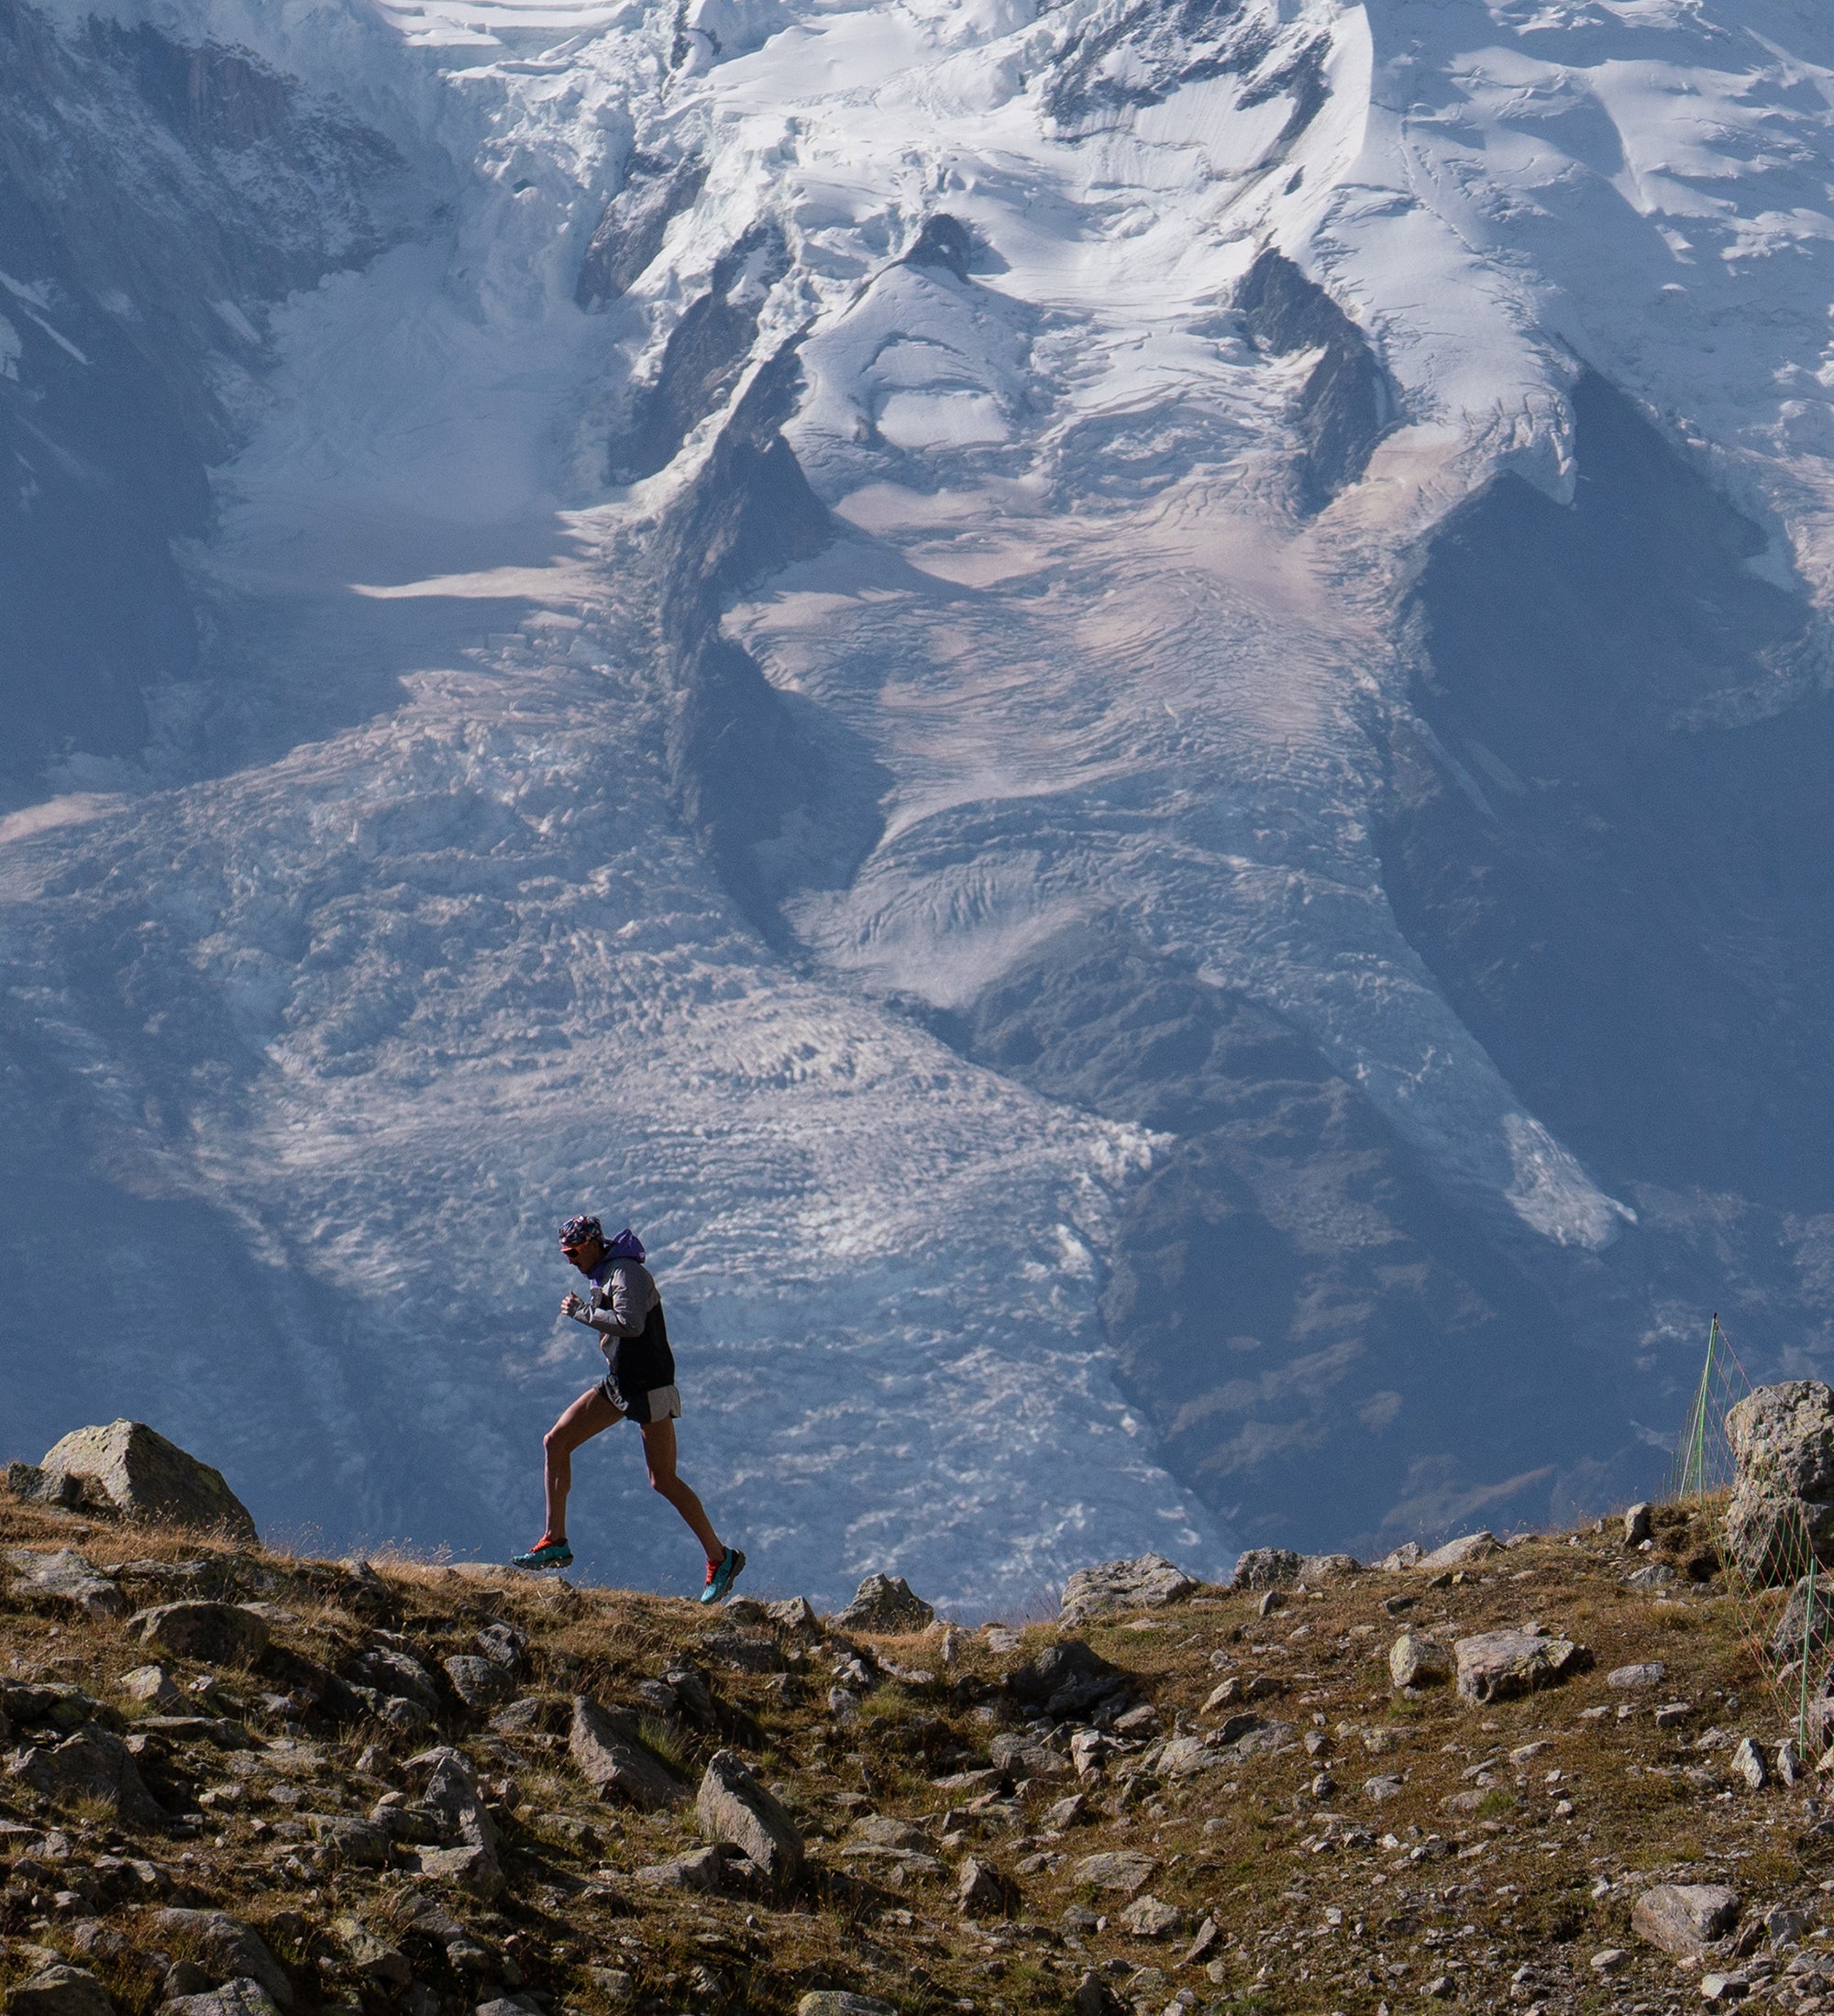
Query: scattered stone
x,y
796,1615
1414,1660
1723,1988
91,1766
472,1869
1143,1584
604,1747
978,1889
153,1685
1117,1869
1608,1960
214,1634
1375,1789
1462,1552
885,1603
371,1957
1654,1575
732,1807
882,1830
65,1578
1649,1674
241,1996
1066,1813
1409,1554
1637,1525
137,1472
393,1671
1147,1918
1748,1761
1266,1568
480,1683
59,1991
1501,1664
227,1947
1020,1756
1683,1918
500,1643
356,1844
1315,1568
1673,1713
833,2002
1209,1933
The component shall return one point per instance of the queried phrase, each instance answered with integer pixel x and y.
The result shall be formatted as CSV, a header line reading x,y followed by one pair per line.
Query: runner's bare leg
x,y
590,1414
659,1452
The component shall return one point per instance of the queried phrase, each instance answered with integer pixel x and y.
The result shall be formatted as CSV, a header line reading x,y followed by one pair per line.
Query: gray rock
x,y
374,1959
1185,1756
693,1695
1266,1568
1376,1790
1748,1761
59,1991
1462,1552
796,1615
1807,1616
1316,1569
1417,1661
392,1669
1021,1756
749,1651
1501,1664
1683,1918
605,1748
359,1844
710,1869
882,1830
1065,1814
227,1947
139,1473
732,1807
1783,1491
65,1578
885,1603
472,1869
1141,1584
480,1683
213,1634
1652,1575
504,1646
509,2005
833,2002
153,1685
1407,1555
1147,1918
1115,1870
1649,1674
1066,1679
978,1888
242,1996
92,1765
1637,1525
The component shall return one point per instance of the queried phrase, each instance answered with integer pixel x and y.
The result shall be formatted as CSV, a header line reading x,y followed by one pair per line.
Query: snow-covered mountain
x,y
1120,709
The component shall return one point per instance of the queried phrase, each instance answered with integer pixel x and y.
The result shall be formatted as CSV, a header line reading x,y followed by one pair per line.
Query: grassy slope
x,y
1403,1894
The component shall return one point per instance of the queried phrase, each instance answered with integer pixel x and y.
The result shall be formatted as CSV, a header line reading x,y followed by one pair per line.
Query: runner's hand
x,y
571,1306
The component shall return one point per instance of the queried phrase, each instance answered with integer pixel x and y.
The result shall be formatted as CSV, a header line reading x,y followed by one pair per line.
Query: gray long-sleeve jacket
x,y
625,1309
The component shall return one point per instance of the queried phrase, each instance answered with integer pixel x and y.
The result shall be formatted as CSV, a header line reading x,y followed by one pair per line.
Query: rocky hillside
x,y
237,1782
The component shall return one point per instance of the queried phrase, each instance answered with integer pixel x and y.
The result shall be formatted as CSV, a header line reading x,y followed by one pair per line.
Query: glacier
x,y
1117,709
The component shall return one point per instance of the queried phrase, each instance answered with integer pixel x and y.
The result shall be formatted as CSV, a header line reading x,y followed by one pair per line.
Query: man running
x,y
622,1305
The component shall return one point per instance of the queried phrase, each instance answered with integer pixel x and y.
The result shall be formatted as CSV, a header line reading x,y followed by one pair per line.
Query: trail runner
x,y
622,1304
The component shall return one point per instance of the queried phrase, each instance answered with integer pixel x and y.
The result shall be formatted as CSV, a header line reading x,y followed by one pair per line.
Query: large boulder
x,y
1460,1553
91,1768
242,1996
1500,1665
1266,1568
604,1747
1141,1584
732,1807
1781,1438
137,1472
214,1634
885,1603
225,1947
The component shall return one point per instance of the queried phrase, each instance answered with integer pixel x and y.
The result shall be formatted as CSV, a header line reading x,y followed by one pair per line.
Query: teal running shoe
x,y
544,1553
723,1575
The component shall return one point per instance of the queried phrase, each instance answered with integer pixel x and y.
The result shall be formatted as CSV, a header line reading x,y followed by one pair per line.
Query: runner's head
x,y
582,1241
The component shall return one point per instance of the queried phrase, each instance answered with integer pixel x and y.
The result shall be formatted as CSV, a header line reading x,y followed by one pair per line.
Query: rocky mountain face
x,y
1116,709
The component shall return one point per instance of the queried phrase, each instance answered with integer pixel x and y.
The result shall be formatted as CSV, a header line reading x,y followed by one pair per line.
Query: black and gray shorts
x,y
659,1403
